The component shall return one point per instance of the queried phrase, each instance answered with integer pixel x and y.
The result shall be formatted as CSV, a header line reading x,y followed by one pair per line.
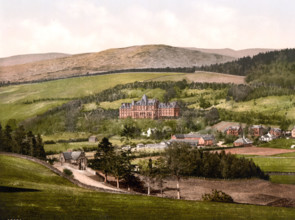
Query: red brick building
x,y
234,130
256,130
149,108
275,132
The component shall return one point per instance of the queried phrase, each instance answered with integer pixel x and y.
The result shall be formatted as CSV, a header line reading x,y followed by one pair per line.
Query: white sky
x,y
77,26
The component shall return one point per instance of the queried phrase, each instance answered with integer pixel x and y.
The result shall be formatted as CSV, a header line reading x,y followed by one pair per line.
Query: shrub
x,y
68,172
217,196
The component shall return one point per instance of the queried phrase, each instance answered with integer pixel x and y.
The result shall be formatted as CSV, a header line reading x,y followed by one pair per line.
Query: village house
x,y
243,142
275,132
256,130
76,158
268,137
233,130
293,132
149,108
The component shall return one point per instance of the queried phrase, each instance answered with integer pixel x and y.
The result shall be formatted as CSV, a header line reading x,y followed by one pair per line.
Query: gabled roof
x,y
243,140
72,155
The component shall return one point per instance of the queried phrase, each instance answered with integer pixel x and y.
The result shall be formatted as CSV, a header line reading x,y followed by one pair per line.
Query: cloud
x,y
76,26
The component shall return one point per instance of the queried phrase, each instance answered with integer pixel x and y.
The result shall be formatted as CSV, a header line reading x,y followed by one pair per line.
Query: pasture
x,y
31,191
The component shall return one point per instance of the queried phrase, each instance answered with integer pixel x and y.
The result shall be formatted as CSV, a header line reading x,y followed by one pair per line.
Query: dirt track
x,y
251,191
262,151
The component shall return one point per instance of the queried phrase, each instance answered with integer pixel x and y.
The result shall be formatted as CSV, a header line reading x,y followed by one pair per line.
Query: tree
x,y
40,152
179,161
103,157
146,169
7,139
121,166
160,172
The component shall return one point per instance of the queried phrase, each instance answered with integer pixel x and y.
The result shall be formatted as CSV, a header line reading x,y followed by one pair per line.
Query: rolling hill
x,y
234,53
135,57
29,58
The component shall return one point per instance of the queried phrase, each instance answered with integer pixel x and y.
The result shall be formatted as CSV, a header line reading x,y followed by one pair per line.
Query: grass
x,y
279,143
273,164
12,98
283,179
58,198
292,154
270,104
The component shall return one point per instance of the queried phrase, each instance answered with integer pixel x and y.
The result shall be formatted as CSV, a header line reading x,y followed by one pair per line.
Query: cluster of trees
x,y
251,117
114,162
22,142
275,68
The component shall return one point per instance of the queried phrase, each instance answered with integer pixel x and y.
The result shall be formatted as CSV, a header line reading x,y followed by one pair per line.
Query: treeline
x,y
275,68
165,69
21,141
251,117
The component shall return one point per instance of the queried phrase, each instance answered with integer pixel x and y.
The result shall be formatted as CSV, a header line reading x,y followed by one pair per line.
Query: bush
x,y
217,196
68,172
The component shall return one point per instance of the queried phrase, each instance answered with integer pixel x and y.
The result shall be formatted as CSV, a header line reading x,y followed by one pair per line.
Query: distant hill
x,y
135,57
275,68
29,58
234,53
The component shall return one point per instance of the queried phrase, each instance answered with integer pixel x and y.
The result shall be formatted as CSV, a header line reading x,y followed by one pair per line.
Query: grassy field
x,y
283,179
205,77
13,98
270,104
273,164
40,194
279,143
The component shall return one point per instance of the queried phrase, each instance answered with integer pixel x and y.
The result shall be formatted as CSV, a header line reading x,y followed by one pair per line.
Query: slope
x,y
31,191
29,58
147,56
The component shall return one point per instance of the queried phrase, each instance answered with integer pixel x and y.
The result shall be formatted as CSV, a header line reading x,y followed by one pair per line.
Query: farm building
x,y
92,139
149,108
243,142
77,158
194,139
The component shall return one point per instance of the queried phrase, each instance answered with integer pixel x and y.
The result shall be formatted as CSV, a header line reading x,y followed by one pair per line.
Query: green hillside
x,y
41,194
27,100
275,68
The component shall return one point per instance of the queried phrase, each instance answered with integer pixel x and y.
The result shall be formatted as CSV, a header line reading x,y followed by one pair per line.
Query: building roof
x,y
243,140
256,126
144,101
276,129
208,137
72,155
182,136
233,128
184,141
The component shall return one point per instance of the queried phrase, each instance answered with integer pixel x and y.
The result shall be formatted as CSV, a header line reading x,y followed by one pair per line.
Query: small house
x,y
206,140
268,137
92,139
243,142
77,158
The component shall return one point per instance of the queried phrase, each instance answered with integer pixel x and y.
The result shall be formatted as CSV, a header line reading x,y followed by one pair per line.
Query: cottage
x,y
92,139
206,140
233,130
243,142
275,132
77,158
268,137
256,130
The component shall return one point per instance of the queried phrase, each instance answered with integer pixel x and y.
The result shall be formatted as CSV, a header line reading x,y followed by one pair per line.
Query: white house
x,y
267,138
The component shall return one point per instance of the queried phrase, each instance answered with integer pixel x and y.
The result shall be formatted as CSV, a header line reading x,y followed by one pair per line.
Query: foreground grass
x,y
13,98
58,198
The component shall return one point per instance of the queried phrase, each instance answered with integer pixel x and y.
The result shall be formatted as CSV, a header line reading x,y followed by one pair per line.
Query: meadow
x,y
26,100
38,193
